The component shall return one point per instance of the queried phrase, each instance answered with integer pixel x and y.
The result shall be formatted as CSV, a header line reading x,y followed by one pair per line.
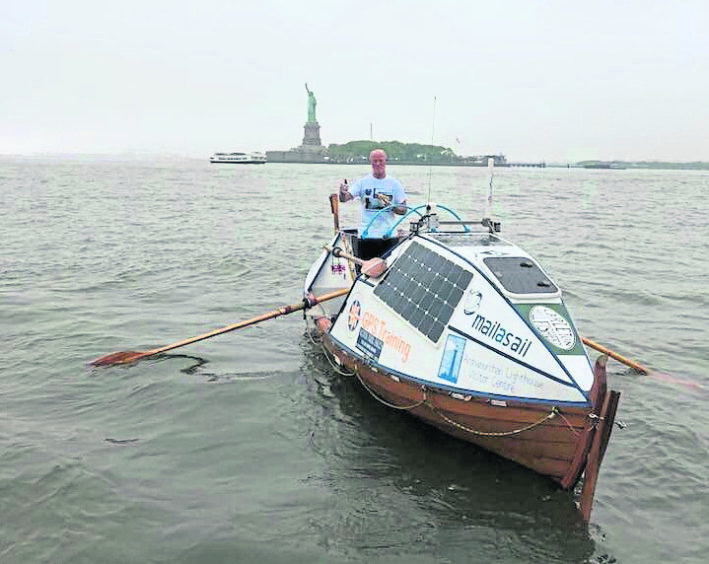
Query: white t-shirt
x,y
367,189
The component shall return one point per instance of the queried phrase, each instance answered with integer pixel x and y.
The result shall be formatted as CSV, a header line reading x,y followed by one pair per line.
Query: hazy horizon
x,y
169,156
537,81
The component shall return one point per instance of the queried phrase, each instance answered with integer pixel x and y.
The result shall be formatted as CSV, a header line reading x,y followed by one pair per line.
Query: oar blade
x,y
670,379
122,357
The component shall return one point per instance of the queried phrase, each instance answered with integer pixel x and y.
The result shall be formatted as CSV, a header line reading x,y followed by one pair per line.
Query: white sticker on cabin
x,y
553,327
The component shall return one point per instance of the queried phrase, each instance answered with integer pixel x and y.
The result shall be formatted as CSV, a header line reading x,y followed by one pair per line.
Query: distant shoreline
x,y
625,165
414,163
615,165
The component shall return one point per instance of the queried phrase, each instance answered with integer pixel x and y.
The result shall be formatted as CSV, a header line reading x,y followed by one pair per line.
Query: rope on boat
x,y
309,333
529,427
383,401
425,401
319,342
574,431
334,365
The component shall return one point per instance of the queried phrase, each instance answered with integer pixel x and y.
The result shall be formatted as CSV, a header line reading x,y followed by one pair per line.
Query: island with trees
x,y
355,152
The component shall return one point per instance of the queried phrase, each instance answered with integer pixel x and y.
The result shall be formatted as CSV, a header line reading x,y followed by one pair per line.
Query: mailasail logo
x,y
353,319
495,331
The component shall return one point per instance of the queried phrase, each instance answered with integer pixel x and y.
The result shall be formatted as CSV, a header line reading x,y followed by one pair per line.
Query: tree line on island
x,y
419,153
409,153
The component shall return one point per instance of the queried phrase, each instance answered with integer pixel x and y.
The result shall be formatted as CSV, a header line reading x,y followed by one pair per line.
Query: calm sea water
x,y
248,447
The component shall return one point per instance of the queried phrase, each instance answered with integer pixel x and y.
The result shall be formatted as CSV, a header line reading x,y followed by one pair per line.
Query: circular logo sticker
x,y
553,327
353,319
472,302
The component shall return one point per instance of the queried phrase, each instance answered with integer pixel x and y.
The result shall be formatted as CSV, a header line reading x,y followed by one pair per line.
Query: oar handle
x,y
335,208
615,355
339,253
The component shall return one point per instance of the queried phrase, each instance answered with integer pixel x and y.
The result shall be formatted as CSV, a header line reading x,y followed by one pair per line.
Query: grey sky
x,y
535,80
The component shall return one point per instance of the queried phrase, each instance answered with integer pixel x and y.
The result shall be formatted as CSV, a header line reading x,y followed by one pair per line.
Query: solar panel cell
x,y
465,279
426,324
454,298
416,317
435,331
427,301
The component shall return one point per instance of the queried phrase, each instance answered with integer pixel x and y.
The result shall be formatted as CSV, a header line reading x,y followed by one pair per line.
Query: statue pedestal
x,y
312,135
311,151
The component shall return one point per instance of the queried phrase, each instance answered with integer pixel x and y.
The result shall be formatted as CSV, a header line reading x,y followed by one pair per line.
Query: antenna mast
x,y
487,210
493,226
433,132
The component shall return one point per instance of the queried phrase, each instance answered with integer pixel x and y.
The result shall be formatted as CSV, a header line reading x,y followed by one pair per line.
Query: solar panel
x,y
424,288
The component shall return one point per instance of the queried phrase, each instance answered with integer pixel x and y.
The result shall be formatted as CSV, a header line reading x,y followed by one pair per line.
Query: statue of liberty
x,y
312,103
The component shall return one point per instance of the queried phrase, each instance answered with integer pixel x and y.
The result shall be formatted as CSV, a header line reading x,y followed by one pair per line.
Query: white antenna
x,y
487,213
430,166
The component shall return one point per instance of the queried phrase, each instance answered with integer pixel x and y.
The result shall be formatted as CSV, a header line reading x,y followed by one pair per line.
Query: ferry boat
x,y
238,158
466,331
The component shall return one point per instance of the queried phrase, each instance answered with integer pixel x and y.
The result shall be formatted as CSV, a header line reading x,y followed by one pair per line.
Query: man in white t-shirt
x,y
376,191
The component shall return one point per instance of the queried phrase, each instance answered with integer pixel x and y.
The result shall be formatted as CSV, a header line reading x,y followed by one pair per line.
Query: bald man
x,y
376,191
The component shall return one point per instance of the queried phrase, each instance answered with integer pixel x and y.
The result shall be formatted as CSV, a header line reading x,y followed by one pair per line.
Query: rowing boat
x,y
466,331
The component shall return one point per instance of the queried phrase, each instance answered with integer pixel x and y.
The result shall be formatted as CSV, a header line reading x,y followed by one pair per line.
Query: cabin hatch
x,y
520,275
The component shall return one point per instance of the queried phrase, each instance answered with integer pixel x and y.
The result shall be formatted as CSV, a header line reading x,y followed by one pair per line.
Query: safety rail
x,y
365,231
427,206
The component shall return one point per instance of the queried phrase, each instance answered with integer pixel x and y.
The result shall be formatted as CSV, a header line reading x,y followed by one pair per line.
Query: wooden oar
x,y
615,355
335,208
374,267
640,368
125,357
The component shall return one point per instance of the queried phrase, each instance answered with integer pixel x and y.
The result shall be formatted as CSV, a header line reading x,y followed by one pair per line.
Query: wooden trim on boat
x,y
598,449
596,395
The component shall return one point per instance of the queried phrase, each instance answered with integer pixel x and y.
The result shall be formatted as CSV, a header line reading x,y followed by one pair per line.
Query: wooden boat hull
x,y
469,334
553,440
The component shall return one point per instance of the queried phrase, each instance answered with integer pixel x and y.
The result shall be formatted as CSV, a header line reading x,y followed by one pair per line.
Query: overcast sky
x,y
535,80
